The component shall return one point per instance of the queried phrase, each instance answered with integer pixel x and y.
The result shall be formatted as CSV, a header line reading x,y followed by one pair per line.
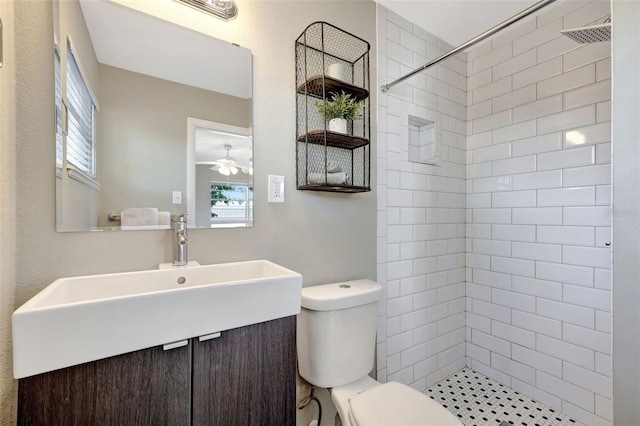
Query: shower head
x,y
590,34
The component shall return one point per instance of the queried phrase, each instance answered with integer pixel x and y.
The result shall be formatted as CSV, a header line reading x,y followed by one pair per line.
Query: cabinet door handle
x,y
174,345
209,336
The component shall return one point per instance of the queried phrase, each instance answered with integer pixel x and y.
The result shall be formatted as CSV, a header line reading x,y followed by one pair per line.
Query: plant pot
x,y
338,125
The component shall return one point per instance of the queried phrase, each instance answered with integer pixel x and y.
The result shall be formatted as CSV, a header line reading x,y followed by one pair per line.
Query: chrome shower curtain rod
x,y
470,43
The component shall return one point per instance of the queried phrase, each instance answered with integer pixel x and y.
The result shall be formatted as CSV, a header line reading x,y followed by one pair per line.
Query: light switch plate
x,y
177,197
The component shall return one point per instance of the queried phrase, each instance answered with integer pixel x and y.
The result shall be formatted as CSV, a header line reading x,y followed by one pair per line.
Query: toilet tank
x,y
337,332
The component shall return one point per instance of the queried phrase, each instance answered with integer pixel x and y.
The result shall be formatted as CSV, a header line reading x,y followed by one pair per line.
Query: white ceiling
x,y
210,146
456,21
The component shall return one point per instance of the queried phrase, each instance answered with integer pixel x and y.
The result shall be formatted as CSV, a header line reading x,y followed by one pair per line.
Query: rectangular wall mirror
x,y
152,118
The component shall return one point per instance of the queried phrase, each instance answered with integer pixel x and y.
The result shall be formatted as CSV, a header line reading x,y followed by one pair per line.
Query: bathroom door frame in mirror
x,y
192,125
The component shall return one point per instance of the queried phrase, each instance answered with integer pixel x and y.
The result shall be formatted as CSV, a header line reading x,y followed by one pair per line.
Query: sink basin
x,y
81,319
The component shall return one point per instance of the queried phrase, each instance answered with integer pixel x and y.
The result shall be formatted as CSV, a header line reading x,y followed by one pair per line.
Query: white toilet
x,y
336,342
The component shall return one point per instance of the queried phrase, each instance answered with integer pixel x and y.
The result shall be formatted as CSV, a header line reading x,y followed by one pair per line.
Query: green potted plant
x,y
339,108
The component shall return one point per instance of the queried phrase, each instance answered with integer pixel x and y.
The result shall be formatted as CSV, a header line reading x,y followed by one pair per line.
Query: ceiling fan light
x,y
234,170
224,170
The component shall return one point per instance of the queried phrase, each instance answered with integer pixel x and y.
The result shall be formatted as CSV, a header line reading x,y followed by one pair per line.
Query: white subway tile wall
x,y
538,176
519,209
421,208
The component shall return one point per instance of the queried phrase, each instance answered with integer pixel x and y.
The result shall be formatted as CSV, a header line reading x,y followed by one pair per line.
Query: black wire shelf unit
x,y
331,61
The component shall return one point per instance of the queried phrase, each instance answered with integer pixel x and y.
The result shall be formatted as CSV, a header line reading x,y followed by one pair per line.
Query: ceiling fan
x,y
228,166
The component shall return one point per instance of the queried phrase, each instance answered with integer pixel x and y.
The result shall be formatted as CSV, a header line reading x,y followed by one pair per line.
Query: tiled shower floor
x,y
478,400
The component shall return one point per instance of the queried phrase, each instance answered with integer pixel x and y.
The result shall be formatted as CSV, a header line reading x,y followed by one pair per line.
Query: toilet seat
x,y
341,395
397,404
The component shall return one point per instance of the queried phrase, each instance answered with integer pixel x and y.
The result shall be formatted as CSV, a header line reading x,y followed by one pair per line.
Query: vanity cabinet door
x,y
246,376
146,387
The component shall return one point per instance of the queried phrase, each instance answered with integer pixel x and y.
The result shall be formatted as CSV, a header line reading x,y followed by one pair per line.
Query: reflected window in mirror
x,y
76,107
81,118
231,204
58,102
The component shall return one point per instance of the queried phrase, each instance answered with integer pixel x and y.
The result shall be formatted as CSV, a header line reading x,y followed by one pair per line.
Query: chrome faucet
x,y
179,225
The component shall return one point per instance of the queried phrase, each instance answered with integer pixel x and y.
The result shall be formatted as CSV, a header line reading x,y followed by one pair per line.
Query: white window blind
x,y
58,98
81,119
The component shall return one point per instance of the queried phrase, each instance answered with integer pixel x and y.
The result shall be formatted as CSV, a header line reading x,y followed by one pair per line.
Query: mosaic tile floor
x,y
480,401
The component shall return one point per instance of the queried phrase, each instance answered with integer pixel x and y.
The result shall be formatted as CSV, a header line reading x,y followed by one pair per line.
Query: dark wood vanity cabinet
x,y
147,387
247,376
244,377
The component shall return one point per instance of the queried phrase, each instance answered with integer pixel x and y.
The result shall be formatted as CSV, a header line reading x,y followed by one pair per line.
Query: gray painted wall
x,y
626,213
326,237
7,214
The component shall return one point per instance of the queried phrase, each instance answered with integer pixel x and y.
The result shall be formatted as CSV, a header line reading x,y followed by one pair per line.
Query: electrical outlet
x,y
276,189
177,197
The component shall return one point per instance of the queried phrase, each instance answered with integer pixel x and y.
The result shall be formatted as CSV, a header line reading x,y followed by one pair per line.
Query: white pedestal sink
x,y
81,319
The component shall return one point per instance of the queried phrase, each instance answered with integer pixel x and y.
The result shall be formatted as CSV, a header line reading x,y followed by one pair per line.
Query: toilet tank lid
x,y
342,295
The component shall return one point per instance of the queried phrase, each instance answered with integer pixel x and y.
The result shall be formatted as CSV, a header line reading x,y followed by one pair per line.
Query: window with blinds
x,y
58,98
81,119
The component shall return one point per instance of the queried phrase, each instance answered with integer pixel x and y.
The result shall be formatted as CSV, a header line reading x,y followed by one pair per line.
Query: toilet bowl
x,y
336,343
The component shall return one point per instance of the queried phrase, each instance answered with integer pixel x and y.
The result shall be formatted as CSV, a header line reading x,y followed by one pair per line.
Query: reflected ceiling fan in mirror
x,y
228,166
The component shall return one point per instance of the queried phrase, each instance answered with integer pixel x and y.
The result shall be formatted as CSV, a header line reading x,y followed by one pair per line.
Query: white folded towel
x,y
139,216
164,218
332,178
333,167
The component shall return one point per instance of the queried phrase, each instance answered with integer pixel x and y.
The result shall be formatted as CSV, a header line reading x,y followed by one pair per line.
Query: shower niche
x,y
424,140
333,110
